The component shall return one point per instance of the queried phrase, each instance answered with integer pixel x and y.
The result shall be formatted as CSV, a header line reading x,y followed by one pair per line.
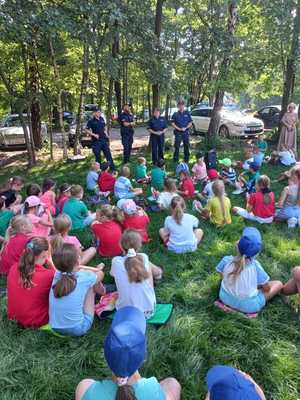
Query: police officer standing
x,y
127,131
157,127
181,122
96,128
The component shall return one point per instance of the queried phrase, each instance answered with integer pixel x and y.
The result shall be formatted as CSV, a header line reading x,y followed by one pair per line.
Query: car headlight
x,y
238,124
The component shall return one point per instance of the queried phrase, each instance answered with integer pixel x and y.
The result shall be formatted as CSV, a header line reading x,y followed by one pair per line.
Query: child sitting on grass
x,y
76,209
72,296
207,192
245,286
286,157
165,197
107,230
247,180
228,173
261,143
158,175
186,186
134,218
28,285
199,170
11,193
48,198
17,235
5,216
261,204
40,218
289,201
134,276
62,226
247,157
106,180
64,195
123,187
92,177
141,176
180,232
182,166
258,156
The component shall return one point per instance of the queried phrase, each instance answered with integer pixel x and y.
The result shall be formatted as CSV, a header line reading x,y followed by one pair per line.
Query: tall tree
x,y
157,33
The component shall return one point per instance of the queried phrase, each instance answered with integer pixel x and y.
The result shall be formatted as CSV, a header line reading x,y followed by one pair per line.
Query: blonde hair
x,y
218,189
135,266
296,172
291,106
16,225
110,212
76,190
178,207
170,185
62,224
141,160
94,165
125,171
264,185
238,263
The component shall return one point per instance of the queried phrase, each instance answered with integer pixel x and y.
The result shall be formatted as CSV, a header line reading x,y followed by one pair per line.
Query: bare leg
x,y
156,271
87,255
172,388
293,285
138,191
164,235
199,235
89,302
275,288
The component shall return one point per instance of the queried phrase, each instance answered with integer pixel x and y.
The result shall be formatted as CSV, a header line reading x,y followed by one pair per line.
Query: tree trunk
x,y
149,100
291,64
117,83
99,87
223,72
50,119
109,104
83,90
167,106
157,32
59,99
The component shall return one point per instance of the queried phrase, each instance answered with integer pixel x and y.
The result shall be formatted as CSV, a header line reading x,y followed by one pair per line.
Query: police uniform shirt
x,y
181,119
97,126
157,124
126,117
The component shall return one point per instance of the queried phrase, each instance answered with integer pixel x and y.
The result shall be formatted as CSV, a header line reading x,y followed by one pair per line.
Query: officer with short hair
x,y
181,122
96,128
127,131
157,127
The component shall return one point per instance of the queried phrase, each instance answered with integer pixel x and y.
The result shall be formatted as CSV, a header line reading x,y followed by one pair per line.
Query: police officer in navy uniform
x,y
127,131
181,122
157,127
96,128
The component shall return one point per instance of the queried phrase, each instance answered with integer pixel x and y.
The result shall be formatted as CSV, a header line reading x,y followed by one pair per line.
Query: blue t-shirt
x,y
144,389
181,120
67,312
122,187
97,126
258,158
157,124
92,180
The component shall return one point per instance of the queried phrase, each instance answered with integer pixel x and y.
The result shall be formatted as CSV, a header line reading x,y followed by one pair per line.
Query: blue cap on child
x,y
250,243
125,344
227,383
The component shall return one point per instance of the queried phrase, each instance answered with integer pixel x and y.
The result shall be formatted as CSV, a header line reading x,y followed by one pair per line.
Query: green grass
x,y
36,365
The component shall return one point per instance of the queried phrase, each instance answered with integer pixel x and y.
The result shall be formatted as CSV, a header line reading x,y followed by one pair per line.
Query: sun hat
x,y
254,165
212,174
250,243
127,205
227,383
226,162
125,344
33,201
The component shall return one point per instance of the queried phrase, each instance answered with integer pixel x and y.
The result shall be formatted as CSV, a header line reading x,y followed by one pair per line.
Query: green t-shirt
x,y
253,177
157,178
262,145
144,389
5,217
140,171
77,211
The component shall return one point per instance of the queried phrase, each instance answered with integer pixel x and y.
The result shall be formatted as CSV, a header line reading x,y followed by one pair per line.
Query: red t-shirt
x,y
259,209
12,252
109,234
106,182
187,186
139,223
29,307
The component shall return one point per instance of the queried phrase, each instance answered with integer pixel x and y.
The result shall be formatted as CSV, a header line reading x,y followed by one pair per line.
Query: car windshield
x,y
14,121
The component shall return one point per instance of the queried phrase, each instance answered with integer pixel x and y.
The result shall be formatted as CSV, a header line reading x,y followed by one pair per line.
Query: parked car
x,y
12,134
85,139
233,123
270,115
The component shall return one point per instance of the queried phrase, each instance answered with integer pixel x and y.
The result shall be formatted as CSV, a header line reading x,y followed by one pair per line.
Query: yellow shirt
x,y
215,210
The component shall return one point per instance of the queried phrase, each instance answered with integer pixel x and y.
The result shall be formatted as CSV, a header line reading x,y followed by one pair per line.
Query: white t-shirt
x,y
165,198
140,295
247,163
182,234
208,190
245,284
287,158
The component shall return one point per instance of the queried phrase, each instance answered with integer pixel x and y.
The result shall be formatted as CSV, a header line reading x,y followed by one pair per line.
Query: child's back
x,y
219,214
77,211
122,188
106,182
92,180
5,217
108,233
139,222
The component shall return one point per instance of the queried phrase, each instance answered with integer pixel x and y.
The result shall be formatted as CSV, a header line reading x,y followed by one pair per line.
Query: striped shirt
x,y
229,174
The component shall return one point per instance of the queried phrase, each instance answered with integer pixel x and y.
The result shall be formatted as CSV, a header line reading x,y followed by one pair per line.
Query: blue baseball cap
x,y
254,165
250,243
125,343
227,383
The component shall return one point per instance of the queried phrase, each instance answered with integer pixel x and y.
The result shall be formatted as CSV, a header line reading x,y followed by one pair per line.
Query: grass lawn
x,y
36,365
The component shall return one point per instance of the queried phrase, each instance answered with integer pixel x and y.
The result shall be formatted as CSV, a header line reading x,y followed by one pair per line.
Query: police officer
x,y
96,128
127,131
157,127
181,122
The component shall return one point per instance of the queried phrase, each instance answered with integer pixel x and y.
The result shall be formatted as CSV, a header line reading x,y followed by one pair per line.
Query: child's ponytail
x,y
264,185
26,267
65,259
125,392
134,263
177,207
239,263
62,224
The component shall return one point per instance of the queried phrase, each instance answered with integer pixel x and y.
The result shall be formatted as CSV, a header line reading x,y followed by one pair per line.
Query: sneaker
x,y
238,191
292,222
197,206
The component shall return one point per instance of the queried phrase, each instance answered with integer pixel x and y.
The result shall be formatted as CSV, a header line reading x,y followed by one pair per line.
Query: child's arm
x,y
46,221
283,197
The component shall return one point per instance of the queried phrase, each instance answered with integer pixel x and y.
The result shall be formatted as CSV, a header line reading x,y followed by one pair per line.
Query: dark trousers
x,y
185,138
157,147
103,145
127,141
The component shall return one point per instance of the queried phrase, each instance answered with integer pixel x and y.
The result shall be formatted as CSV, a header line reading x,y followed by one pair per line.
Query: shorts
x,y
245,214
78,330
188,248
249,305
129,195
288,212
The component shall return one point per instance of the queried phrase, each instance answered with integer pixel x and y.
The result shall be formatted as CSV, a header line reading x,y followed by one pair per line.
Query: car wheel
x,y
224,132
193,130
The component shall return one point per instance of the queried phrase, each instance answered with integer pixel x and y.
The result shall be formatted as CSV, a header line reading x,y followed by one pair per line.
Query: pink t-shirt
x,y
38,228
72,240
48,199
199,171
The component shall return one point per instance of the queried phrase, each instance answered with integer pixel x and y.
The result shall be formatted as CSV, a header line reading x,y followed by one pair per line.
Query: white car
x,y
12,134
233,123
